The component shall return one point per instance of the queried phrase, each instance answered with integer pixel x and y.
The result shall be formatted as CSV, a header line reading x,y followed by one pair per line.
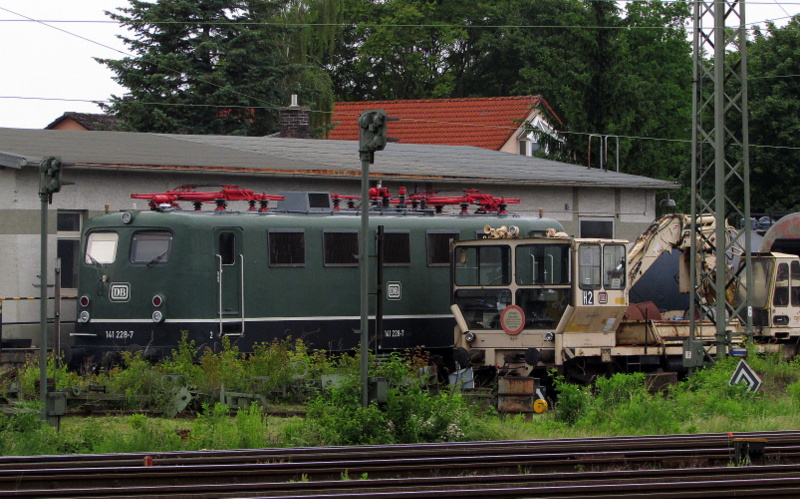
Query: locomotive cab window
x,y
439,247
341,248
781,296
287,248
483,266
589,266
542,264
150,247
101,248
614,265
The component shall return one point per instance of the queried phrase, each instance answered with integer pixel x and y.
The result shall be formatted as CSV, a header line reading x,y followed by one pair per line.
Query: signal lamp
x,y
158,316
83,318
158,300
469,337
84,301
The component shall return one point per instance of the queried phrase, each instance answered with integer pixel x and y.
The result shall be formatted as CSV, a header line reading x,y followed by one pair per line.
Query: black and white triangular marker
x,y
744,373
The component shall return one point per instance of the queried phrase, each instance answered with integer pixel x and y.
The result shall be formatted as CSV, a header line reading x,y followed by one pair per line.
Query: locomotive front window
x,y
483,266
287,248
542,264
589,266
439,247
341,248
614,265
101,248
396,248
150,247
482,307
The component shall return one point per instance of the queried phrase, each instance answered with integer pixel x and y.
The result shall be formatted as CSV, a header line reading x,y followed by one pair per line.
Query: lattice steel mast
x,y
720,165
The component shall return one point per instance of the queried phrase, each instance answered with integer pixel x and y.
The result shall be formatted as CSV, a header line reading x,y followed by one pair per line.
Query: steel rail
x,y
703,482
494,448
377,467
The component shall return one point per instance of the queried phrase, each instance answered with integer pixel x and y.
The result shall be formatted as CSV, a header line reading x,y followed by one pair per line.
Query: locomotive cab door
x,y
230,280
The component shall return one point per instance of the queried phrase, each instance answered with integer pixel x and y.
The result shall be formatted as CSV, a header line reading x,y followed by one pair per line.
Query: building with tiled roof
x,y
83,121
494,123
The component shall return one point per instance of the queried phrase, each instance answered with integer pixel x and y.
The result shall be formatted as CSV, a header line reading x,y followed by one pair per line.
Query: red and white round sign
x,y
512,319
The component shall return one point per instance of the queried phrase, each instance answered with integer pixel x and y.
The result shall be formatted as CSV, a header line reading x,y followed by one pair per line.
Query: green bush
x,y
410,414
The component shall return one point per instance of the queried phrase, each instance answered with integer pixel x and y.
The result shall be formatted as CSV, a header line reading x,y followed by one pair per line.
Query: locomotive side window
x,y
542,264
483,266
795,284
341,248
101,248
150,247
614,265
781,297
227,247
439,247
396,248
287,248
589,266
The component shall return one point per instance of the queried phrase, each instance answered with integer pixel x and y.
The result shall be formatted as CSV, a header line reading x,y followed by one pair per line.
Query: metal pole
x,y
380,248
719,176
43,311
363,268
57,315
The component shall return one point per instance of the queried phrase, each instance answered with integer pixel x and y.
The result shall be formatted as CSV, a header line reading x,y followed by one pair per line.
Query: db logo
x,y
120,291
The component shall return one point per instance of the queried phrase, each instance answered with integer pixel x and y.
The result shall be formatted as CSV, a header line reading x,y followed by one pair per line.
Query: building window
x,y
600,229
439,247
68,234
341,248
287,248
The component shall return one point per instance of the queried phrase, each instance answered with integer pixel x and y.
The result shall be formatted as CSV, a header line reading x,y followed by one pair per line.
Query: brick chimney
x,y
295,121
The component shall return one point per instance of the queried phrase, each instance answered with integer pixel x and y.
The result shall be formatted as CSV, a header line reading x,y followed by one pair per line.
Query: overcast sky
x,y
42,68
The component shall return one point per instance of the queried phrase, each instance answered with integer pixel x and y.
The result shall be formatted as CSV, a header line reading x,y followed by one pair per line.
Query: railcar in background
x,y
148,277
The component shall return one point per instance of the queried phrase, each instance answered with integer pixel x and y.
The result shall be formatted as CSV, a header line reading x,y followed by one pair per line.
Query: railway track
x,y
660,466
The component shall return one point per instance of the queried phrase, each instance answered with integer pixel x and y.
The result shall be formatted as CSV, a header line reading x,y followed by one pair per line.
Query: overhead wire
x,y
276,107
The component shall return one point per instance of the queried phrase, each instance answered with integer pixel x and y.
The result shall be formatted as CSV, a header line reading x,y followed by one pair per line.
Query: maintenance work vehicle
x,y
526,307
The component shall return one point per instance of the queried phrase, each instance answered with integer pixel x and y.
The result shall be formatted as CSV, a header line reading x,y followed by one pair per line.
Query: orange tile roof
x,y
486,122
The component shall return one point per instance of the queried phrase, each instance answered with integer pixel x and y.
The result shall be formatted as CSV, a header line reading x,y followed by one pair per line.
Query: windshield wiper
x,y
157,258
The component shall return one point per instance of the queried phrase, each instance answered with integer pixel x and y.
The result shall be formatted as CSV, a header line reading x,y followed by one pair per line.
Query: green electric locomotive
x,y
148,277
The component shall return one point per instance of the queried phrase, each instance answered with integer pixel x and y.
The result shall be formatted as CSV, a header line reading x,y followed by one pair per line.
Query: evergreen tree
x,y
208,67
774,90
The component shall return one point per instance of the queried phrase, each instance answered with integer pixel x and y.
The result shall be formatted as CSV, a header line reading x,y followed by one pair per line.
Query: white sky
x,y
38,62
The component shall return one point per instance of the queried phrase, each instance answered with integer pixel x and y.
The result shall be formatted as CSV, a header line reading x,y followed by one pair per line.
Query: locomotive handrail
x,y
241,290
219,292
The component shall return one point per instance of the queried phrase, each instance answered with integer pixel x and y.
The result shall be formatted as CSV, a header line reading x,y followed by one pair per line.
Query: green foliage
x,y
209,67
410,414
22,431
774,95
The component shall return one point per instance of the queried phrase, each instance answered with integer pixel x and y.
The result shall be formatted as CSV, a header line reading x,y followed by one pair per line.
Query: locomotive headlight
x,y
158,316
158,300
549,336
469,337
83,317
84,301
